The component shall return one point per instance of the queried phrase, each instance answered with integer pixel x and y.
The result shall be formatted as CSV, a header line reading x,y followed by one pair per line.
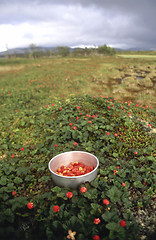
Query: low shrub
x,y
119,134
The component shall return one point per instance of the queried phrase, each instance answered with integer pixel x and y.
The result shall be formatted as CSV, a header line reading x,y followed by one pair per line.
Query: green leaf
x,y
56,224
18,180
56,189
8,170
9,215
113,226
103,172
10,186
3,180
44,179
19,202
96,208
109,216
138,184
114,194
82,214
122,173
74,223
29,178
115,155
116,233
5,196
91,194
95,183
22,170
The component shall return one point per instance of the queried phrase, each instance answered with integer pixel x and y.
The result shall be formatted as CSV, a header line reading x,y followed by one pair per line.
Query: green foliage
x,y
63,51
32,137
106,50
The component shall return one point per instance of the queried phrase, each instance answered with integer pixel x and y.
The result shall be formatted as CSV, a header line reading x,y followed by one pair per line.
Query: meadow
x,y
103,105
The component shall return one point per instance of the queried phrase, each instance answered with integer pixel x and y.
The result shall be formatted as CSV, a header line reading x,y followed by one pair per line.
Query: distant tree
x,y
7,51
63,51
37,53
105,50
49,52
77,52
26,53
34,52
87,51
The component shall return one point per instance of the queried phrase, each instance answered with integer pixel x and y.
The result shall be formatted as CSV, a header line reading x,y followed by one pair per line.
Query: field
x,y
40,81
103,105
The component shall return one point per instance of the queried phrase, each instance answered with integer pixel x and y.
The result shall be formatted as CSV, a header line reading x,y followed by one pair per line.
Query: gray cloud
x,y
120,23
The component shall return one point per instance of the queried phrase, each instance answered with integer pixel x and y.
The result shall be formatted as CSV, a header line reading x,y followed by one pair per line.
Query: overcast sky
x,y
117,23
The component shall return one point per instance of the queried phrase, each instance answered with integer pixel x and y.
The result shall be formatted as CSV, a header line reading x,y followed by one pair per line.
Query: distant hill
x,y
21,51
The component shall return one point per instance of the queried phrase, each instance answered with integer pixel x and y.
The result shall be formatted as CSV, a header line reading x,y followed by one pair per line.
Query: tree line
x,y
63,51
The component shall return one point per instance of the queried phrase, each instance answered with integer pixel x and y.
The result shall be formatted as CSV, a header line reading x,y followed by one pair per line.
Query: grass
x,y
39,98
64,77
137,56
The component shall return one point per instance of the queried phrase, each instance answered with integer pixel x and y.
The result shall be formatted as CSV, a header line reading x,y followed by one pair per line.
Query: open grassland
x,y
29,83
137,56
102,105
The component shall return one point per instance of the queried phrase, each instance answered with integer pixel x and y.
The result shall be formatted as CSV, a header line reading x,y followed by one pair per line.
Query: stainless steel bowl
x,y
73,156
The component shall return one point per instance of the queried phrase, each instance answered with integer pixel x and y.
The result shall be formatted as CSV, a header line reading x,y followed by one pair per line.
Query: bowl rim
x,y
74,177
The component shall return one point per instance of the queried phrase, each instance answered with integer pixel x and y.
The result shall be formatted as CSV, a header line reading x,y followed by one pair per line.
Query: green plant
x,y
30,139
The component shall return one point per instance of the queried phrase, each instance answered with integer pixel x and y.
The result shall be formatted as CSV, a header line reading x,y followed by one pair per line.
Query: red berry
x,y
135,153
83,189
55,145
69,195
122,223
107,133
96,237
13,193
70,124
75,143
105,202
123,184
22,149
97,220
30,205
56,208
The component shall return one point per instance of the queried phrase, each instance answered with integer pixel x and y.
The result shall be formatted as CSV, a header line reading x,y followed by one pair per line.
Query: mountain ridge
x,y
23,50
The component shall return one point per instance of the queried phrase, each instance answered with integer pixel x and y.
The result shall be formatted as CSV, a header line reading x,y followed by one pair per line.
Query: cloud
x,y
119,23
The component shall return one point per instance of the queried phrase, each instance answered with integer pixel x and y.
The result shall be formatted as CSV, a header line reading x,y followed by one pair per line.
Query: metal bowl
x,y
73,156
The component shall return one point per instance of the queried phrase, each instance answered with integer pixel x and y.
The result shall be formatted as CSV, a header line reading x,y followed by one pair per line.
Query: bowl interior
x,y
75,156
